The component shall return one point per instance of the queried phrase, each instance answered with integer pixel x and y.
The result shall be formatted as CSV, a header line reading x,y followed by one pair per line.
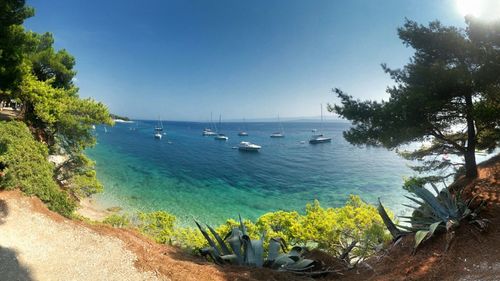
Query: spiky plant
x,y
443,211
237,248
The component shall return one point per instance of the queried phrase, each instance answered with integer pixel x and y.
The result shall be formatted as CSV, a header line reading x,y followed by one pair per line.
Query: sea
x,y
197,177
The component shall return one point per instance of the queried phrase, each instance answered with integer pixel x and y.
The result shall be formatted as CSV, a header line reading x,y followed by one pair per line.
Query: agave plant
x,y
237,248
443,211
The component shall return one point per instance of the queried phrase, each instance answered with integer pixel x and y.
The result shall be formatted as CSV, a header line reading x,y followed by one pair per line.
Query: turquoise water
x,y
198,177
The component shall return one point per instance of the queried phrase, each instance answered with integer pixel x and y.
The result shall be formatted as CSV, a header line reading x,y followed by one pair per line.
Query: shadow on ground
x,y
11,268
4,211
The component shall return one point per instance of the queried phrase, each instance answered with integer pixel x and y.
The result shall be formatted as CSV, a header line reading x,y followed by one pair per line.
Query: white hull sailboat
x,y
220,136
319,138
158,131
208,132
243,133
281,133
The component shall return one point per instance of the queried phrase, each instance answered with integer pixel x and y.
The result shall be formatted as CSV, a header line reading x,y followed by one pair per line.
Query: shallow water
x,y
198,177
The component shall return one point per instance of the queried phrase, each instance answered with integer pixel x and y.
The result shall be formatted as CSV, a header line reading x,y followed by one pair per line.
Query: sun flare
x,y
485,9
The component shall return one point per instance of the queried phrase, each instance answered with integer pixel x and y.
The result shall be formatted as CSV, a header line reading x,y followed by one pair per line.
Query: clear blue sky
x,y
252,59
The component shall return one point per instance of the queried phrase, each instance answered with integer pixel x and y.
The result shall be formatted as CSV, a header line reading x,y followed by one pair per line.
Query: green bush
x,y
25,166
117,220
159,225
330,229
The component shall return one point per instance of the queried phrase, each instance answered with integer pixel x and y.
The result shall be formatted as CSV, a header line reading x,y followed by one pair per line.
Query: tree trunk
x,y
470,153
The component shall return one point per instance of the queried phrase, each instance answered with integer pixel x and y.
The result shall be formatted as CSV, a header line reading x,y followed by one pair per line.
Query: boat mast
x,y
281,125
321,126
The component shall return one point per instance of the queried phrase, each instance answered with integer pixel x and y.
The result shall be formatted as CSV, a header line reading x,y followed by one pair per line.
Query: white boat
x,y
319,138
248,146
158,131
219,135
208,132
243,133
277,135
281,133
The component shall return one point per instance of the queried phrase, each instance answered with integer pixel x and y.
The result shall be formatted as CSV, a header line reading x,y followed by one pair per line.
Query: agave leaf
x,y
281,261
225,250
409,228
258,249
301,265
395,232
212,253
296,253
232,258
419,237
273,249
248,251
234,240
242,226
415,200
435,188
432,201
207,237
433,228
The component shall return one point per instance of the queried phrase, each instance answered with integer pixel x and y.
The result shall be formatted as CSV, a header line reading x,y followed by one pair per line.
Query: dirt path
x,y
35,246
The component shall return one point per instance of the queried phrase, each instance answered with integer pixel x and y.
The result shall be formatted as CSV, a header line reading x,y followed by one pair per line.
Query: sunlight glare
x,y
484,9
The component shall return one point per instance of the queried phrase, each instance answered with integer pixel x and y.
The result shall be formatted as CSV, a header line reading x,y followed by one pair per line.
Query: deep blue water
x,y
198,177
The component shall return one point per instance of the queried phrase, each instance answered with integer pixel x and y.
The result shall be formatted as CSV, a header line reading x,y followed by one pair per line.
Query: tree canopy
x,y
447,95
41,79
12,39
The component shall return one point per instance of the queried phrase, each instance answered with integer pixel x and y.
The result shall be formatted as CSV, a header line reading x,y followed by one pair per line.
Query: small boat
x,y
319,138
208,132
277,135
248,146
243,133
221,137
158,131
281,133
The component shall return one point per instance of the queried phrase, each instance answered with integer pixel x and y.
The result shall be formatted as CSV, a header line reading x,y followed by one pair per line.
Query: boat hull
x,y
322,140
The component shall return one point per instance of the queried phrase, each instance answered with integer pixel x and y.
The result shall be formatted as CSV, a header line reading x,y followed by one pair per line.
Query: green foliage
x,y
117,220
25,166
448,94
159,225
49,64
352,231
12,41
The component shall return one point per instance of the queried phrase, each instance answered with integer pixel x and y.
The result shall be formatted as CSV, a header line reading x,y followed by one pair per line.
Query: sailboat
x,y
208,131
281,133
243,133
320,138
158,132
220,136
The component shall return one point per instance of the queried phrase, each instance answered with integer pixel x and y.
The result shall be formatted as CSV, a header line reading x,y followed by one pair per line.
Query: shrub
x,y
117,220
25,166
159,225
351,232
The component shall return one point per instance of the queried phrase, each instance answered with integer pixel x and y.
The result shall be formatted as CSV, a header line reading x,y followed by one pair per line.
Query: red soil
x,y
472,255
